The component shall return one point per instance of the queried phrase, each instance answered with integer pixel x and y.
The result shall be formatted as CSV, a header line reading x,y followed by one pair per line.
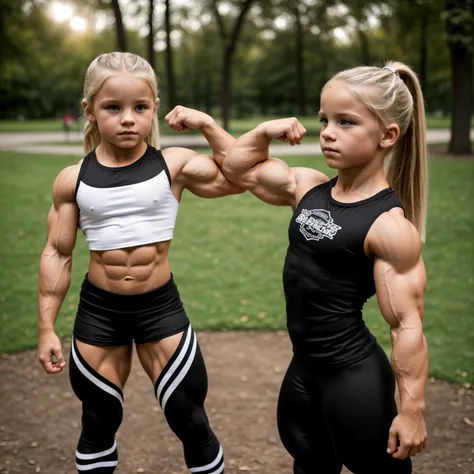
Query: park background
x,y
242,61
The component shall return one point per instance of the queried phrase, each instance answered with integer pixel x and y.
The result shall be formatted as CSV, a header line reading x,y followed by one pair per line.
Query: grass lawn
x,y
227,259
237,127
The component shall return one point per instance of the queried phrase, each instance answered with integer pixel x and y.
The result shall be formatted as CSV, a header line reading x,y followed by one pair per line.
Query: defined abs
x,y
131,270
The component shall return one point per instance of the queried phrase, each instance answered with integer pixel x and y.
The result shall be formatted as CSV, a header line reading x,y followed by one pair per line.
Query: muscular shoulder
x,y
306,179
395,240
64,186
177,157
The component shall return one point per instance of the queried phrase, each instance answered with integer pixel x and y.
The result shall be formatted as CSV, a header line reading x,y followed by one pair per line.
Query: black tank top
x,y
327,276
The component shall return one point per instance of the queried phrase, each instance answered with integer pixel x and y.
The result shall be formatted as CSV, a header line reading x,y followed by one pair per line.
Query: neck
x,y
364,181
114,154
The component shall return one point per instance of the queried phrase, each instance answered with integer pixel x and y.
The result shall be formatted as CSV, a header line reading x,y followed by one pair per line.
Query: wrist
x,y
412,408
208,123
44,328
261,131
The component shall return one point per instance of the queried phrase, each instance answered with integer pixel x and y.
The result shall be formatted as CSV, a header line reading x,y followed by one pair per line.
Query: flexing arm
x,y
182,119
55,267
198,173
400,279
249,165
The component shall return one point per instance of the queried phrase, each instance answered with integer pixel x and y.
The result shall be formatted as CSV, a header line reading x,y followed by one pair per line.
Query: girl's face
x,y
124,109
350,135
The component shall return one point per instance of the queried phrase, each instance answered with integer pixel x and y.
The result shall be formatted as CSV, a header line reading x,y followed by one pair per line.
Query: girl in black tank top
x,y
350,237
327,276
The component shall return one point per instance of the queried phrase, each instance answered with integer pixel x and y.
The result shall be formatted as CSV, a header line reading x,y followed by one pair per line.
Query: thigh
x,y
359,407
176,367
301,425
155,356
112,362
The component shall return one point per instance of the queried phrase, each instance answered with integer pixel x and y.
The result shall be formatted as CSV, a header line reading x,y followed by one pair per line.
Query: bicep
x,y
203,177
272,181
400,293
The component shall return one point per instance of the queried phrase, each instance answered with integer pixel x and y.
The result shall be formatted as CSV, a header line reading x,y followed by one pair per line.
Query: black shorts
x,y
111,319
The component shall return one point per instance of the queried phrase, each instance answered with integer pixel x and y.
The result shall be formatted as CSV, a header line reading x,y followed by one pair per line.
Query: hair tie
x,y
391,69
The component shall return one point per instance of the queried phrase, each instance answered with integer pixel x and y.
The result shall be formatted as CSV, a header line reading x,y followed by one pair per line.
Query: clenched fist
x,y
182,119
285,130
50,353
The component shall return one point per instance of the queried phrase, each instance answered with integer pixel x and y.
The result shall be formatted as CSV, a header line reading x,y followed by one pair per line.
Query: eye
x,y
141,107
346,123
323,120
113,108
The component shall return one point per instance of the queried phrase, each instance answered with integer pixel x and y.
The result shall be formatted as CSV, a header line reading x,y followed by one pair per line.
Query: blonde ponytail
x,y
91,137
407,165
394,94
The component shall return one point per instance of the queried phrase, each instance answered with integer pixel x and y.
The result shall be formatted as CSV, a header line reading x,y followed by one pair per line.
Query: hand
x,y
285,130
182,119
410,430
49,346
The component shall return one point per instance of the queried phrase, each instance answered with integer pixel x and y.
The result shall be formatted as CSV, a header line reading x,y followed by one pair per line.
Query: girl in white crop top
x,y
124,196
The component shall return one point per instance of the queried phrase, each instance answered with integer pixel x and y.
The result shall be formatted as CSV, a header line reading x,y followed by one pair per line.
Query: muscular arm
x,y
218,138
183,118
56,260
249,165
400,280
198,173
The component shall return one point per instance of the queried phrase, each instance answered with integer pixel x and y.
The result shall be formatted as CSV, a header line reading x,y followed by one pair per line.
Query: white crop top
x,y
127,206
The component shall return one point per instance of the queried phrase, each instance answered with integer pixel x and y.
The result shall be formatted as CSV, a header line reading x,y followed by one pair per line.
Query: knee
x,y
189,424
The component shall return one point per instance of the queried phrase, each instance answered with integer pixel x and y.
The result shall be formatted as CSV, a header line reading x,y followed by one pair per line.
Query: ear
x,y
156,106
390,135
88,111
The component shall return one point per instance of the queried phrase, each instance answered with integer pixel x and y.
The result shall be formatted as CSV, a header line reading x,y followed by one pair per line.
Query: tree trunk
x,y
151,34
460,14
208,94
119,27
300,77
169,58
364,46
423,49
226,73
461,92
230,44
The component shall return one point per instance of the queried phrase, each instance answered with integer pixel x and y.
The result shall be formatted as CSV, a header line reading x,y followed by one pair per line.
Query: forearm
x,y
410,365
53,284
219,139
247,151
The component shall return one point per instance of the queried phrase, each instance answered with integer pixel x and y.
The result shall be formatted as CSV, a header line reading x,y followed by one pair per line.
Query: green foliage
x,y
459,20
227,258
42,63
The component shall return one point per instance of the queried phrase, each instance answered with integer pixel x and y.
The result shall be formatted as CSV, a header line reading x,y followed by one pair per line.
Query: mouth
x,y
328,149
128,133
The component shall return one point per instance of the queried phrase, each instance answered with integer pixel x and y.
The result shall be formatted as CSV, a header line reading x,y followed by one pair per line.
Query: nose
x,y
127,117
327,132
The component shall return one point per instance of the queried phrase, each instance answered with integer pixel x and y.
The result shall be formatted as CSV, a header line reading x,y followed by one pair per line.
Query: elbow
x,y
235,179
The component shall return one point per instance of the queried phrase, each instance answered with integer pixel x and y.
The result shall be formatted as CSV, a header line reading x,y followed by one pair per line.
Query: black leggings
x,y
181,390
328,419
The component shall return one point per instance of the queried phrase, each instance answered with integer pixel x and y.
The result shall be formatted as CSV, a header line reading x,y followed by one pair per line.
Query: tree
x,y
120,29
229,41
459,23
151,34
169,58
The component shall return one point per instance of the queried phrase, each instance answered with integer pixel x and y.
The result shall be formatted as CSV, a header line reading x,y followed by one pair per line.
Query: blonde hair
x,y
99,71
394,95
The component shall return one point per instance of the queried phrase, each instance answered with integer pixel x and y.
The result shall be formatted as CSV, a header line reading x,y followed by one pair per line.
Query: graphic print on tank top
x,y
315,224
327,276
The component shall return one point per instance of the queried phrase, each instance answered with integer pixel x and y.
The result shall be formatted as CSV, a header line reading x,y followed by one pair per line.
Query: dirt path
x,y
39,415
